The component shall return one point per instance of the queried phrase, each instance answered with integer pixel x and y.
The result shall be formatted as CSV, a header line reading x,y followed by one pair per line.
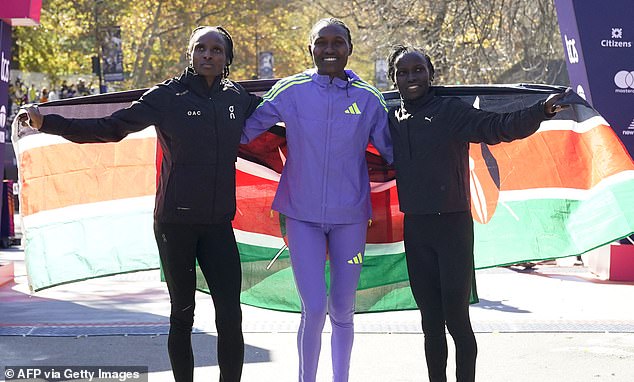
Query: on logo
x,y
573,55
231,114
624,79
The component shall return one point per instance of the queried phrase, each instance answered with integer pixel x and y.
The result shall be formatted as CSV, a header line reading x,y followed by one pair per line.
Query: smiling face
x,y
330,49
208,54
412,75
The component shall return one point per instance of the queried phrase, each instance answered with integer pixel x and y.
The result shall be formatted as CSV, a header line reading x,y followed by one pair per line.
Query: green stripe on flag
x,y
542,229
55,251
383,285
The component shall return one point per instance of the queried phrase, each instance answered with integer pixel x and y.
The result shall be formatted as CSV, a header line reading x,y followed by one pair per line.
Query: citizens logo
x,y
625,81
616,40
617,32
571,49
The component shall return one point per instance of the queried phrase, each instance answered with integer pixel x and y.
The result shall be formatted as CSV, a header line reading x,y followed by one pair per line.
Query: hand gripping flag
x,y
87,209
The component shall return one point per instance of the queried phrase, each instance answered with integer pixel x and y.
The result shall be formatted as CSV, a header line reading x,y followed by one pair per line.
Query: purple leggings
x,y
307,243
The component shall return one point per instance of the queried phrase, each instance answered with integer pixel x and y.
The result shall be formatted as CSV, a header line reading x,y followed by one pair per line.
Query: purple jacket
x,y
328,127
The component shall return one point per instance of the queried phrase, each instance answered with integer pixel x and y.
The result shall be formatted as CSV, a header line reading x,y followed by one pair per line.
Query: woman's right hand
x,y
30,116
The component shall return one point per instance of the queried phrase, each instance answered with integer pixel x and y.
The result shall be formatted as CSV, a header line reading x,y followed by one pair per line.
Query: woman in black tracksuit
x,y
431,138
199,117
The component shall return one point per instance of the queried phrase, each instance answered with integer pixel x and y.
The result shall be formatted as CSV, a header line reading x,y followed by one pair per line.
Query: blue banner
x,y
598,39
5,66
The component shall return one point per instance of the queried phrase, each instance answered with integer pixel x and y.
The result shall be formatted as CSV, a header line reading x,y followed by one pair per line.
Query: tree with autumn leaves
x,y
471,42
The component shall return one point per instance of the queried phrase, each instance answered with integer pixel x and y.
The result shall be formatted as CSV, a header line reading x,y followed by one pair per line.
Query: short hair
x,y
399,50
326,22
228,42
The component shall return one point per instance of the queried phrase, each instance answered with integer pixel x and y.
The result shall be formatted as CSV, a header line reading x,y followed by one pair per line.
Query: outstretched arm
x,y
479,126
146,111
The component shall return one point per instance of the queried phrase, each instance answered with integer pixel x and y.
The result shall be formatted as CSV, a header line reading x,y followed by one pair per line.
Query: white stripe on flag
x,y
258,170
566,193
258,239
34,141
568,124
268,241
84,211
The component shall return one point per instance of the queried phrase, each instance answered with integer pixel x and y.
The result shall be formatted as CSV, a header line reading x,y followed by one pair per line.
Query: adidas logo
x,y
358,259
353,109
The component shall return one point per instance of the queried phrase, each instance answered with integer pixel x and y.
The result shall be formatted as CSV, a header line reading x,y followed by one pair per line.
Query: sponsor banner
x,y
6,106
598,39
5,67
380,74
265,65
112,54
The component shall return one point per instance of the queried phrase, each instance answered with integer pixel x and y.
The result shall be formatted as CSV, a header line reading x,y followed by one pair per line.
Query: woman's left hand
x,y
29,115
554,104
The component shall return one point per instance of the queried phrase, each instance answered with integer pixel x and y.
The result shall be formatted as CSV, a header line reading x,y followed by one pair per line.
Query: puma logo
x,y
428,118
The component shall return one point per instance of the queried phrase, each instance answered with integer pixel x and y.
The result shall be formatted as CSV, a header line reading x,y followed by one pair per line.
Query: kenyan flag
x,y
87,209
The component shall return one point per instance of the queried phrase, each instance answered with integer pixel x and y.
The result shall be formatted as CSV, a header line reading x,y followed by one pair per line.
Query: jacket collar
x,y
324,80
413,106
198,84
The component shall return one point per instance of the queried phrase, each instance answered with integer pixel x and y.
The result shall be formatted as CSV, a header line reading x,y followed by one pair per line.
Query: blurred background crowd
x,y
21,93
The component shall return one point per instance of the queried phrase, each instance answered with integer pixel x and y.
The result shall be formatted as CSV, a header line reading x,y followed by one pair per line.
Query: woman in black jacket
x,y
199,117
431,137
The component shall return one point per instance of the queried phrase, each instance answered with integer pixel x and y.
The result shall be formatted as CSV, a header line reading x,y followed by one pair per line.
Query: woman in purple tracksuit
x,y
330,115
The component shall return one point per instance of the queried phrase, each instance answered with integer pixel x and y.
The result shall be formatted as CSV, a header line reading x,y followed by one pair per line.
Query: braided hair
x,y
399,50
324,23
228,43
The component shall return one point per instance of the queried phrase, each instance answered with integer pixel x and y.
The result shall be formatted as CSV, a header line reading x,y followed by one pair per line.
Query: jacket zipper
x,y
324,198
409,140
213,200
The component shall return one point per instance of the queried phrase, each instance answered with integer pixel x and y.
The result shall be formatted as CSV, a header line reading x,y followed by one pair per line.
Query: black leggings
x,y
439,252
214,246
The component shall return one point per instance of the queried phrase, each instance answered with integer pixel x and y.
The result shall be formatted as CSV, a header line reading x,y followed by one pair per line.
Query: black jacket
x,y
431,137
199,131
